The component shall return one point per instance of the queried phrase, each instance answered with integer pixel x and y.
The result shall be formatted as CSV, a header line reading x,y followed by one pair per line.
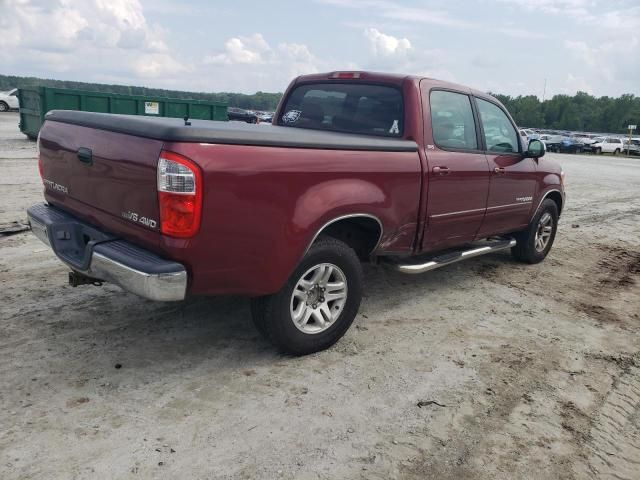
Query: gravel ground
x,y
535,369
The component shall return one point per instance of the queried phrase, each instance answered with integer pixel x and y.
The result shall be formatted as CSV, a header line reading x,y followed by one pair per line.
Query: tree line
x,y
582,112
257,101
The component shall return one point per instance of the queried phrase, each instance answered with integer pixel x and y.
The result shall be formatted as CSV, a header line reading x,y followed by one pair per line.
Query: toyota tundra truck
x,y
408,172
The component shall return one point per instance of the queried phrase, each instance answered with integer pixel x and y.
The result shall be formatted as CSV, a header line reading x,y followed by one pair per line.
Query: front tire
x,y
4,107
317,305
535,242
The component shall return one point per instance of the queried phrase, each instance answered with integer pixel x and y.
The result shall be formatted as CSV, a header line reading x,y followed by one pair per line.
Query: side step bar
x,y
456,256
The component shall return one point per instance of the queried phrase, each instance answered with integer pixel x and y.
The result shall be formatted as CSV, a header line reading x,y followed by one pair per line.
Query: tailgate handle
x,y
85,155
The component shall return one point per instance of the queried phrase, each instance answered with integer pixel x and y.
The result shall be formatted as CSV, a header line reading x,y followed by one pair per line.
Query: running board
x,y
454,257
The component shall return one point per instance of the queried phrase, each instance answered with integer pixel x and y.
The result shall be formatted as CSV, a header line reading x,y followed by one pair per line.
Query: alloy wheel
x,y
318,298
543,232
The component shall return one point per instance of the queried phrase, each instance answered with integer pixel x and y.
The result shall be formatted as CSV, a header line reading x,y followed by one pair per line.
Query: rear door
x,y
513,178
458,173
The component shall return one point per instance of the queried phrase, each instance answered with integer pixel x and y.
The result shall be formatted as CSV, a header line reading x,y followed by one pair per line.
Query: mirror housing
x,y
536,149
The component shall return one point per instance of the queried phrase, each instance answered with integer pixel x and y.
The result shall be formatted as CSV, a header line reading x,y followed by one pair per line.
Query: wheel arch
x,y
555,195
361,231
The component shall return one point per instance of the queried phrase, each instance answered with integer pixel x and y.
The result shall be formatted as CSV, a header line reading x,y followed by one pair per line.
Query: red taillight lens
x,y
179,195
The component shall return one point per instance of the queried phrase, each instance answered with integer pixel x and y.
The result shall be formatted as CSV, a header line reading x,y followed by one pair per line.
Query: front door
x,y
513,178
458,173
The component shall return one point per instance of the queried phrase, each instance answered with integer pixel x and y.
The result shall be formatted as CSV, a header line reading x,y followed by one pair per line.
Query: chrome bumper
x,y
110,259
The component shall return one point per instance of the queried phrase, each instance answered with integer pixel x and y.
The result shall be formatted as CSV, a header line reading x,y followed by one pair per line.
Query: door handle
x,y
85,155
441,170
499,170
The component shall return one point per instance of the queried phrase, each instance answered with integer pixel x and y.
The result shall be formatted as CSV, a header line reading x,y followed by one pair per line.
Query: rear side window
x,y
452,120
499,133
342,107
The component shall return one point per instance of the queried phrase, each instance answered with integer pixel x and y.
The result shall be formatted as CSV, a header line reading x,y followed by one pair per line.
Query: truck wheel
x,y
4,107
535,242
597,151
616,151
318,303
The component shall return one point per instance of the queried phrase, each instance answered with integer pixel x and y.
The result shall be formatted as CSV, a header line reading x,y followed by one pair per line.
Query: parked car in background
x,y
632,146
569,145
524,137
607,145
551,141
240,115
265,116
9,100
585,139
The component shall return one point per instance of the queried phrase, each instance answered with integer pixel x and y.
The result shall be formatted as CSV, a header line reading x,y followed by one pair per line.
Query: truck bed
x,y
231,133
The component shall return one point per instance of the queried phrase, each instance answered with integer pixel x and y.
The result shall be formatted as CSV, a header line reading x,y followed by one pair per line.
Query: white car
x,y
9,100
607,145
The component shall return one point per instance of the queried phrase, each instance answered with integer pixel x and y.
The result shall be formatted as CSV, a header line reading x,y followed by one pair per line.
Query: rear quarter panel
x,y
262,206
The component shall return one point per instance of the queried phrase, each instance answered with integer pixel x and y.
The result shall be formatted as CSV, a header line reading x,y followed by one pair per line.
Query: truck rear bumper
x,y
102,256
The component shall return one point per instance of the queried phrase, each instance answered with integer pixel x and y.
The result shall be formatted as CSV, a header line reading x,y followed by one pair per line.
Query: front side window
x,y
452,120
499,133
345,107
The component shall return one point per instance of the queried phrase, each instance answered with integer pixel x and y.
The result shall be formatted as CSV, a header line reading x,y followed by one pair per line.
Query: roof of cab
x,y
391,78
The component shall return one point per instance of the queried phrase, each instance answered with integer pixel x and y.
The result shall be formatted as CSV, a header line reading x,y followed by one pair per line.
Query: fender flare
x,y
545,196
344,217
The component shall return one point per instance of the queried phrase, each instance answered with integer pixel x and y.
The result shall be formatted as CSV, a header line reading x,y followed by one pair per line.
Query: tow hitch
x,y
76,279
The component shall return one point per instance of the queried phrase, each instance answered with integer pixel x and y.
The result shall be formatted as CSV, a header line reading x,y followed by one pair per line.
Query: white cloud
x,y
395,54
105,37
249,50
253,64
386,45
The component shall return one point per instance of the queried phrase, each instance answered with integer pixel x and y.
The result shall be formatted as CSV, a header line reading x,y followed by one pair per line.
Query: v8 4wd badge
x,y
134,217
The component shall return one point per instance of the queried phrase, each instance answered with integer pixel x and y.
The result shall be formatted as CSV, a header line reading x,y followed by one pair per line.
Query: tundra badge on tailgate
x,y
55,186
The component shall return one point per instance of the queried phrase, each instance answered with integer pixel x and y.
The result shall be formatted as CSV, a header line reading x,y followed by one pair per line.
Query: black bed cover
x,y
235,133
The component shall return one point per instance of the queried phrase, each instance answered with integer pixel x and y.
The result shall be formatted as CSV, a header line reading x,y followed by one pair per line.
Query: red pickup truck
x,y
410,172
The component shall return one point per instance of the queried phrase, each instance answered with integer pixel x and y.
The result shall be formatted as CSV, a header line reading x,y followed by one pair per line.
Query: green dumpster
x,y
36,102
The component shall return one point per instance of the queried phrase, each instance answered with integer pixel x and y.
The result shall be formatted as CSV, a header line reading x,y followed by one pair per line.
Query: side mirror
x,y
536,149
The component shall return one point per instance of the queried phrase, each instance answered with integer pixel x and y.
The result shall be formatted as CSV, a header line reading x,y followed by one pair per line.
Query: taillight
x,y
179,195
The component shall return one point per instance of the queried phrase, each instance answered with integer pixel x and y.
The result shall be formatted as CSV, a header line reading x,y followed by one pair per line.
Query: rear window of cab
x,y
345,107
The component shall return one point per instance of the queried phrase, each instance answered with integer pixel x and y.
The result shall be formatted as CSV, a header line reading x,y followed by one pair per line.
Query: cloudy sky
x,y
504,46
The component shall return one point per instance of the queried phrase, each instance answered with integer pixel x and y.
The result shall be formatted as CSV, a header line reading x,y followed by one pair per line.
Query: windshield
x,y
345,107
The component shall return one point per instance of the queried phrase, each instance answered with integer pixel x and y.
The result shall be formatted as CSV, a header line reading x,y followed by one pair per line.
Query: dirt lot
x,y
535,369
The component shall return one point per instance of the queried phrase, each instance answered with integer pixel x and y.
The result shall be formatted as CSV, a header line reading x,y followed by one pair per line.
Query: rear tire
x,y
4,107
301,318
616,151
535,242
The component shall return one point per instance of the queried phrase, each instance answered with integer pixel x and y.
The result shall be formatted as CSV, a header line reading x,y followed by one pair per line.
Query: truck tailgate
x,y
106,178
